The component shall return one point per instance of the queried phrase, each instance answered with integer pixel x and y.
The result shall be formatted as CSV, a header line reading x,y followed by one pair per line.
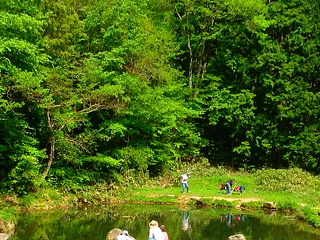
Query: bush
x,y
8,214
27,200
293,179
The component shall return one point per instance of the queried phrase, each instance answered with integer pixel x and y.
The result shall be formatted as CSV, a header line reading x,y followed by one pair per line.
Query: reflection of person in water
x,y
185,221
233,220
230,223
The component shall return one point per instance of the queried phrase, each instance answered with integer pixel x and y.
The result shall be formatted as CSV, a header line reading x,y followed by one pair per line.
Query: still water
x,y
93,223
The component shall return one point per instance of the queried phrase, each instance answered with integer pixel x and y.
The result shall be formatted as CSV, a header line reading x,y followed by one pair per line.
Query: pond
x,y
93,223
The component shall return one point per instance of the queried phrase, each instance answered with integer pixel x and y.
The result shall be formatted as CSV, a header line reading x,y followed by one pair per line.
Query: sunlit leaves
x,y
163,120
235,108
100,81
29,56
64,31
126,30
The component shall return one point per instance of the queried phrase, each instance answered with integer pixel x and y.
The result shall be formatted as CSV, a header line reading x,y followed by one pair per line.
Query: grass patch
x,y
290,189
223,204
253,204
311,216
287,205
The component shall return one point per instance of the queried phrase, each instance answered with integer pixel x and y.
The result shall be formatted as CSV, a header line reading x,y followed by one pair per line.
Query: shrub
x,y
293,179
8,214
27,200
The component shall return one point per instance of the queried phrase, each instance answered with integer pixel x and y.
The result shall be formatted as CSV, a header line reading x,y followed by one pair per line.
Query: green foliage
x,y
21,76
293,179
20,171
125,27
27,200
79,176
8,214
311,216
97,91
23,26
252,204
162,119
270,44
100,161
134,158
223,203
64,30
43,198
287,205
207,201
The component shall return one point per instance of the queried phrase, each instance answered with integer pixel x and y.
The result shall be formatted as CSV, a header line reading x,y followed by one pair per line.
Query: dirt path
x,y
184,199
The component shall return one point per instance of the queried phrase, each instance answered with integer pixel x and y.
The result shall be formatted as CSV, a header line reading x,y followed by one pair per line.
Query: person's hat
x,y
153,223
125,232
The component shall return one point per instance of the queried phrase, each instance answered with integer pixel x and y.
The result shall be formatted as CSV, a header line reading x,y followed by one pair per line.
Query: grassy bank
x,y
290,190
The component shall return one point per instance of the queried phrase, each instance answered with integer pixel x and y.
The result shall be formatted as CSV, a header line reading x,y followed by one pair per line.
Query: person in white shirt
x,y
155,233
184,181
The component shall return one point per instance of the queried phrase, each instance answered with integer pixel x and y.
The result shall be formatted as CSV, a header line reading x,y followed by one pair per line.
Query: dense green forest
x,y
93,89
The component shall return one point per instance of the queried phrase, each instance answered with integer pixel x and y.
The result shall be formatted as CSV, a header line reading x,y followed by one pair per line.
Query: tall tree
x,y
143,53
21,77
287,85
271,55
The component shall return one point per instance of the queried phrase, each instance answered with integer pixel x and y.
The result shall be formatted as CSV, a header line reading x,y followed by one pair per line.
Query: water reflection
x,y
231,220
185,221
186,226
207,223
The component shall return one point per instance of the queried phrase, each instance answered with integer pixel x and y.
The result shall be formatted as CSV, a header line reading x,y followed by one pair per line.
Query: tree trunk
x,y
52,145
51,156
232,152
191,56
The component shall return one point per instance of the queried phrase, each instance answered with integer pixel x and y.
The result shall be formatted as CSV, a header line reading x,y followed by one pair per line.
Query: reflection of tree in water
x,y
207,223
93,222
220,225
